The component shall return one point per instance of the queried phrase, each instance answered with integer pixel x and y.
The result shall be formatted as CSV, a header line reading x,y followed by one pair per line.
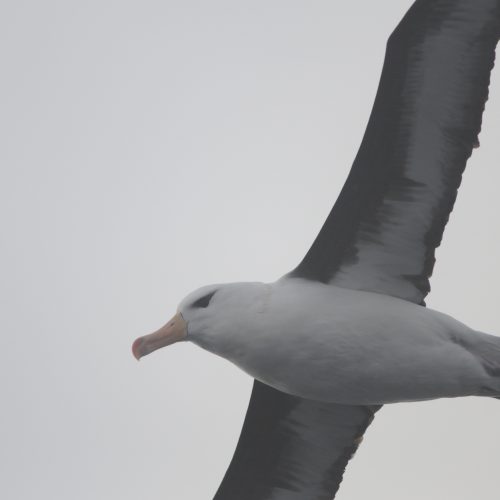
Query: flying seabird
x,y
347,330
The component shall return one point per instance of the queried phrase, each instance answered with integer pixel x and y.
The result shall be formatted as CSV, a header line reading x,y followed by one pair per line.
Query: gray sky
x,y
153,147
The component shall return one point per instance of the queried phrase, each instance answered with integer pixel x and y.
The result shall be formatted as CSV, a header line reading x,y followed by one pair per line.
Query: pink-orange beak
x,y
174,331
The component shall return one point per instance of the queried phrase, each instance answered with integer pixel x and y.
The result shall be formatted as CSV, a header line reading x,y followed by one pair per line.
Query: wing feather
x,y
382,233
292,448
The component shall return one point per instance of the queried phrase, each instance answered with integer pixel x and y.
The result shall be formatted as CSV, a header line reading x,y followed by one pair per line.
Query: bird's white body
x,y
346,346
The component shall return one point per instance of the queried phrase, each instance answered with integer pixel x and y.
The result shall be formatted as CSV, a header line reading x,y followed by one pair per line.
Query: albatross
x,y
347,330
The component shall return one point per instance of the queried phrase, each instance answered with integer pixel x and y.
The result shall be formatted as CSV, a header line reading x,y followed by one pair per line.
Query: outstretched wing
x,y
390,216
292,448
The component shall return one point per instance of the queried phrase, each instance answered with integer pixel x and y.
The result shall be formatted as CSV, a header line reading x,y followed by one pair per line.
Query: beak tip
x,y
174,331
136,351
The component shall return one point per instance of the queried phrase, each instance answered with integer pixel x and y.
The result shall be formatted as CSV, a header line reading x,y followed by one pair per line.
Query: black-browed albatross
x,y
347,331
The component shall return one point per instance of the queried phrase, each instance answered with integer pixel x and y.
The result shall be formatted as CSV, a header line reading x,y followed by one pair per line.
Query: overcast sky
x,y
151,147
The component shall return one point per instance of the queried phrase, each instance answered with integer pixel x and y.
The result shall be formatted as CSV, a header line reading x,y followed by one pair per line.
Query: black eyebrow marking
x,y
204,301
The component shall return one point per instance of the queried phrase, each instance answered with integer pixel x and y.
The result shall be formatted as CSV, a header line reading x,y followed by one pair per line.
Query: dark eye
x,y
203,301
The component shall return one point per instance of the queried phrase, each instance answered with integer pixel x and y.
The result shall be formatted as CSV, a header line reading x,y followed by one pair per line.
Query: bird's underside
x,y
381,234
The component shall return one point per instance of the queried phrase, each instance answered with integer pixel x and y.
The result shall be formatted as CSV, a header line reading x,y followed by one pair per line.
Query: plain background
x,y
152,147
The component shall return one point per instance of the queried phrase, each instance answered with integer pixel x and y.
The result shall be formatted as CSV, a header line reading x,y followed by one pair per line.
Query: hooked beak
x,y
174,331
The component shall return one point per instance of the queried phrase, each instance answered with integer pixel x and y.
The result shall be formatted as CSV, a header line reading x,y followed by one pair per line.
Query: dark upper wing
x,y
390,216
292,448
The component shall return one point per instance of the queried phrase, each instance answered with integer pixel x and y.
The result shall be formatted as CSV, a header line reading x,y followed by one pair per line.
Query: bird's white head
x,y
215,317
